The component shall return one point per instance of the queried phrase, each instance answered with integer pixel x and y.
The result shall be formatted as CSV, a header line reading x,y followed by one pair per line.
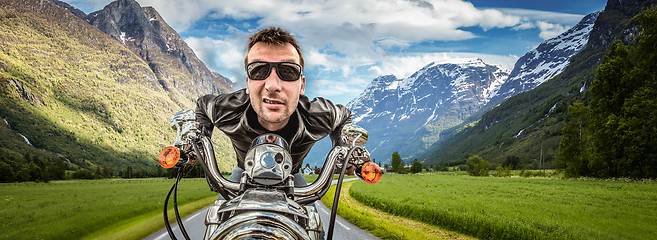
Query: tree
x,y
623,116
35,172
503,171
128,172
83,174
23,174
6,172
416,167
443,167
477,166
397,164
574,149
512,162
98,173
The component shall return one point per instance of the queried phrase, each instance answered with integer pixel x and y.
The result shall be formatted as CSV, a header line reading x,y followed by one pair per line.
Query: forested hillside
x,y
81,98
614,133
529,125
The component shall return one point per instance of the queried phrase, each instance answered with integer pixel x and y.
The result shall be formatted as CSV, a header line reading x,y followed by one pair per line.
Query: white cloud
x,y
366,24
550,24
549,30
329,88
383,18
220,56
546,16
525,26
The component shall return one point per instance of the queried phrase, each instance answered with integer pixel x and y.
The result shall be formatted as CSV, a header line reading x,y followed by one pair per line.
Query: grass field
x,y
93,208
384,225
519,208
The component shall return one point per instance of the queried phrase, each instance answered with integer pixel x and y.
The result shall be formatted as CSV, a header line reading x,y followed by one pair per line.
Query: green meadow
x,y
519,208
94,209
483,207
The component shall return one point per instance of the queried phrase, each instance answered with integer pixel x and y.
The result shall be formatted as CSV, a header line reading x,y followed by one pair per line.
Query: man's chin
x,y
274,118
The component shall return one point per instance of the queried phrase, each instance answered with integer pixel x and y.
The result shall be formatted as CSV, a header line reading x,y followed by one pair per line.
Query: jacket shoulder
x,y
225,101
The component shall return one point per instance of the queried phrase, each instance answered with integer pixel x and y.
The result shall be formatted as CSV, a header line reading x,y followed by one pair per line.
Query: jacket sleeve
x,y
342,117
323,118
204,113
223,111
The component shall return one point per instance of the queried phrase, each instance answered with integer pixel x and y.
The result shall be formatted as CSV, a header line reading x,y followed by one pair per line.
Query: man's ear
x,y
303,85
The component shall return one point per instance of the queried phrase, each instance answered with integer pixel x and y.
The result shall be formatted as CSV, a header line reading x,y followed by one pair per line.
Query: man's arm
x,y
204,110
342,117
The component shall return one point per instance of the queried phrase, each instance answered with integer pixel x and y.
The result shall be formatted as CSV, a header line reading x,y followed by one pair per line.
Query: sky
x,y
346,43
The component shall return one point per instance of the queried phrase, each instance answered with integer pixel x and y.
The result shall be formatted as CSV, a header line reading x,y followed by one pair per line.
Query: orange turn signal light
x,y
370,172
169,157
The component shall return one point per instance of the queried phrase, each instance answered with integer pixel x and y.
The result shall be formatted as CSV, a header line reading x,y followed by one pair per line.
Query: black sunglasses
x,y
286,71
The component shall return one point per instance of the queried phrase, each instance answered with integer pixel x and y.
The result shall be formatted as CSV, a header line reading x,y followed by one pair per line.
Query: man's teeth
x,y
270,102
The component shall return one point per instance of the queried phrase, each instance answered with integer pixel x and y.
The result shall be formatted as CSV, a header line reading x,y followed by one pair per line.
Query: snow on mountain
x,y
468,79
547,60
396,111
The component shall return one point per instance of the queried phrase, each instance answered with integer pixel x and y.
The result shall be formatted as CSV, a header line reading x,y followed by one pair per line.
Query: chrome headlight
x,y
268,162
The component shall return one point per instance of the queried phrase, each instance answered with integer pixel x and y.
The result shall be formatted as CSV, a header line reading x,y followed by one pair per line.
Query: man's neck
x,y
273,127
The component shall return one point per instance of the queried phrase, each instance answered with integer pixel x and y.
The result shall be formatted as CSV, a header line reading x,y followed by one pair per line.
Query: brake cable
x,y
175,204
336,197
174,189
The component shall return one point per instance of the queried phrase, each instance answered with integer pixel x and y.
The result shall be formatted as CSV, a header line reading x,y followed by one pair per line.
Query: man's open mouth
x,y
272,101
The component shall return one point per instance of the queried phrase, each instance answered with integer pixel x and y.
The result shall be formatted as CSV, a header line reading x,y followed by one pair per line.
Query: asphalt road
x,y
194,224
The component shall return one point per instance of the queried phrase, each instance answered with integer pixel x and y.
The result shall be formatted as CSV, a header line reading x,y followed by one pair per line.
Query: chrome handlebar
x,y
188,133
211,163
323,180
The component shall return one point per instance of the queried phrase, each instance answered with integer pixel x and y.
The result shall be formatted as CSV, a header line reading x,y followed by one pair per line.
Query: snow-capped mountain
x,y
547,60
407,115
396,112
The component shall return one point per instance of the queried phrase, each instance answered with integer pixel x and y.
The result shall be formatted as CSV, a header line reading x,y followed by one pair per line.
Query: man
x,y
273,102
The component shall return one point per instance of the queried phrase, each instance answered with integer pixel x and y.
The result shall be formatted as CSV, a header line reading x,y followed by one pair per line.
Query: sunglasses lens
x,y
288,71
258,70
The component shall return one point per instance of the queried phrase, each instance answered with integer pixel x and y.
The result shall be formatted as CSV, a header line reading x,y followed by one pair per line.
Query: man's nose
x,y
272,82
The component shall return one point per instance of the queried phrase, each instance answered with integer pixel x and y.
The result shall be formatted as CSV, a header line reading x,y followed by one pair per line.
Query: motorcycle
x,y
265,204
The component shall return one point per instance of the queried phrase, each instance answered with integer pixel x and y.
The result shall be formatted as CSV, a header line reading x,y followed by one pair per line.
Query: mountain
x,y
528,125
76,93
417,126
547,60
396,111
144,32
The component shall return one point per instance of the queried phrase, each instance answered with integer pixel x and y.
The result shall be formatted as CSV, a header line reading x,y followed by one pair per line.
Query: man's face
x,y
273,99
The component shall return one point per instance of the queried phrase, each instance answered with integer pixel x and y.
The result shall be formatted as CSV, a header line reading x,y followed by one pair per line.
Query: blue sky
x,y
348,43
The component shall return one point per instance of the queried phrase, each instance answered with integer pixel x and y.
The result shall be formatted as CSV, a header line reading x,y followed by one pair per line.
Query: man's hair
x,y
273,36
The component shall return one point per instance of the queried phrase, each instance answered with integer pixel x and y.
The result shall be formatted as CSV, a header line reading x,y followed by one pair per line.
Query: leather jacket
x,y
232,114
